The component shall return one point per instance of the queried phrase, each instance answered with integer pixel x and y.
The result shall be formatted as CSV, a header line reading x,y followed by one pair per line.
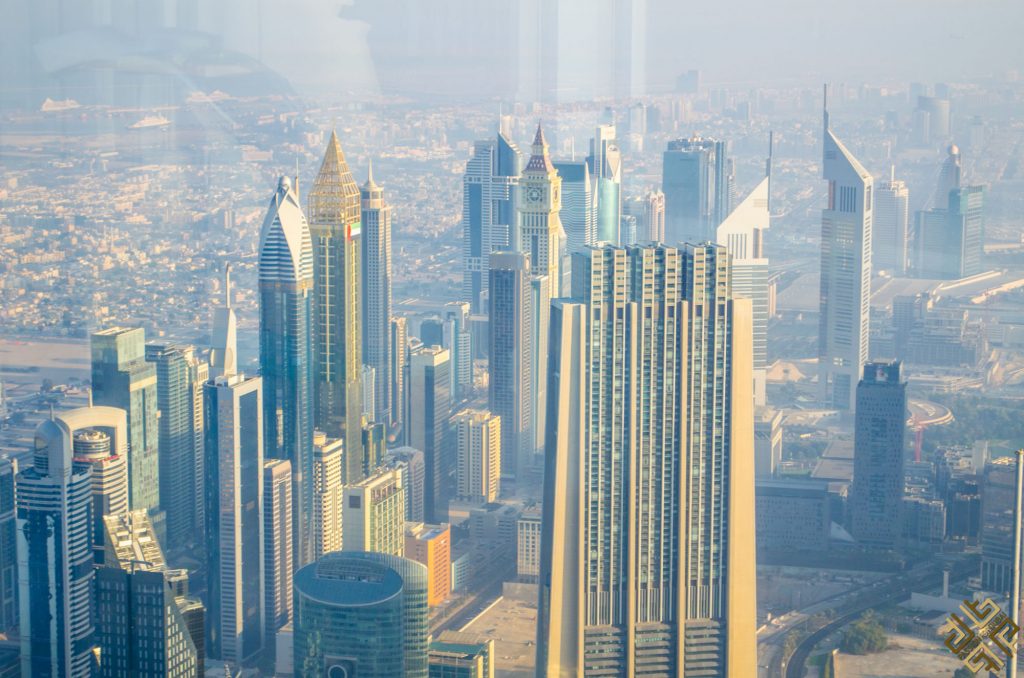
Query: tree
x,y
865,636
963,672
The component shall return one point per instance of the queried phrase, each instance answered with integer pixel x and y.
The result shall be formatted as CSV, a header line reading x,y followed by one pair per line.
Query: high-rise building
x,y
478,476
605,165
180,376
376,291
286,351
235,599
374,447
335,227
950,177
328,489
8,545
649,211
461,655
224,338
56,576
488,211
143,611
510,387
577,213
373,514
278,545
879,439
767,441
458,339
890,234
742,233
647,556
100,440
540,199
431,546
697,180
122,378
528,533
345,600
998,492
950,242
427,420
399,339
845,274
409,463
540,313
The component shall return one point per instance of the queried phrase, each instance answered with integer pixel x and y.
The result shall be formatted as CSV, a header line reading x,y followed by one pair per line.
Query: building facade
x,y
540,200
376,294
697,180
278,545
478,436
427,417
373,514
431,546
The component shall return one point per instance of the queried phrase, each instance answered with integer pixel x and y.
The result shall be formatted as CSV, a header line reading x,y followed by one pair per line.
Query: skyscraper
x,y
950,177
409,463
541,235
577,214
427,420
328,489
376,294
278,546
890,235
845,274
236,592
224,341
459,340
511,393
649,211
180,375
879,439
478,476
950,242
345,599
373,514
8,545
399,339
605,164
122,378
697,180
742,233
334,223
998,492
431,545
286,350
55,558
647,556
540,312
488,211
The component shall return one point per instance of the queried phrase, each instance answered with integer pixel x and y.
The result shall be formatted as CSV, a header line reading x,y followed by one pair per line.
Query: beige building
x,y
431,545
373,514
327,493
478,474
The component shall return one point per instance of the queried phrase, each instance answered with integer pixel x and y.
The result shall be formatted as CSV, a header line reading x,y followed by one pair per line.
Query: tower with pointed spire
x,y
376,294
845,272
540,200
335,226
224,346
286,350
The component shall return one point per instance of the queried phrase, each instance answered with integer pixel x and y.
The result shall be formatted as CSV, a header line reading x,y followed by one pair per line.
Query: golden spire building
x,y
540,200
335,226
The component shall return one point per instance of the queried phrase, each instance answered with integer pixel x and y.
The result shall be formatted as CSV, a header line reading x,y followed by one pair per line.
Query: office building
x,y
879,439
278,546
224,337
528,532
605,165
649,212
933,113
376,294
488,211
180,376
458,338
374,447
143,612
286,350
951,241
56,576
427,420
431,546
478,435
890,232
432,332
792,515
328,489
540,199
8,546
651,389
540,313
577,213
235,552
767,441
399,338
510,387
697,180
742,233
342,600
122,378
461,655
845,274
409,463
373,514
998,492
368,380
335,227
950,177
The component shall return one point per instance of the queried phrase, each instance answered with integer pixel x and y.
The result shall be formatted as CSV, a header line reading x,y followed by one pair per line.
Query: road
x,y
475,604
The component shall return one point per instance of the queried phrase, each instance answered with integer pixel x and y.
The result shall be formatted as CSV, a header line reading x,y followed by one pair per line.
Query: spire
x,y
227,286
334,198
768,168
296,177
538,138
540,161
824,105
370,184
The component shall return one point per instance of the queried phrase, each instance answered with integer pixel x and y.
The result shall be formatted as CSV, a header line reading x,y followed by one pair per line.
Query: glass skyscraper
x,y
361,614
286,349
697,180
647,557
376,295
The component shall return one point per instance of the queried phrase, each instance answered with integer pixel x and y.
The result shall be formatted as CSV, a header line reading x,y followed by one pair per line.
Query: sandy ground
x,y
907,657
